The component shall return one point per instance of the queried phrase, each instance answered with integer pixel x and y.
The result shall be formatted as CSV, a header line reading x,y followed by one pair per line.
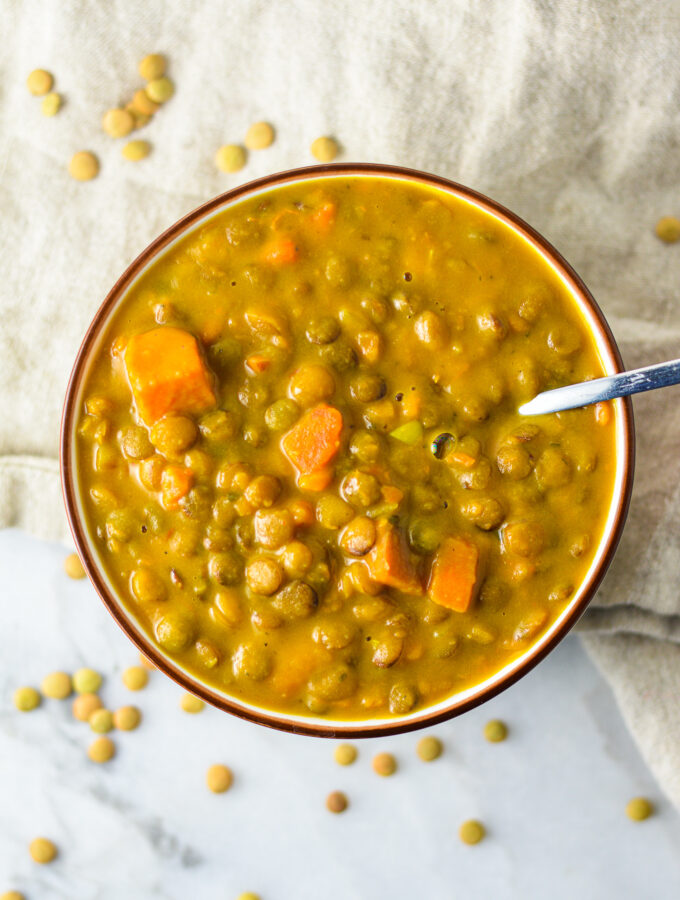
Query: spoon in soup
x,y
586,393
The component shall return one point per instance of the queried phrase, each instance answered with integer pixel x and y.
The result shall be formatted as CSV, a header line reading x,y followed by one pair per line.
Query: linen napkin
x,y
566,113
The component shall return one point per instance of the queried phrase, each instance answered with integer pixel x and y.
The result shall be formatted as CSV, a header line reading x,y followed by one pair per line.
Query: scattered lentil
x,y
101,720
12,895
86,681
42,850
142,103
51,104
135,678
152,66
429,748
136,150
668,229
39,82
160,90
117,123
191,704
84,705
57,686
73,566
639,808
26,699
127,718
336,802
146,662
384,764
325,149
101,750
230,158
471,832
219,779
495,731
84,166
249,895
345,754
259,136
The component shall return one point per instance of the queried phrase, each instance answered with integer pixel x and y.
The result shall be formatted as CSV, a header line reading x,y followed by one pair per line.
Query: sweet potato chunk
x,y
167,374
454,577
389,562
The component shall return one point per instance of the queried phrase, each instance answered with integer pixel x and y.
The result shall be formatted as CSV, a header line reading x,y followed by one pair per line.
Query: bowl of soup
x,y
294,465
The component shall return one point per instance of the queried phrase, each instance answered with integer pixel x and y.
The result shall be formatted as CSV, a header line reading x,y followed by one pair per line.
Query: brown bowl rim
x,y
280,721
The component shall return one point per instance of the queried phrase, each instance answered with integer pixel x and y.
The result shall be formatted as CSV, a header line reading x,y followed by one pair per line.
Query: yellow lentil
x,y
259,136
325,149
336,802
101,720
384,764
42,850
84,166
117,123
84,705
142,103
152,66
57,686
471,832
51,104
135,678
12,895
249,895
495,731
101,750
39,82
345,754
86,681
639,808
26,699
160,90
230,158
429,748
219,778
191,704
146,662
127,718
73,566
136,150
668,229
141,119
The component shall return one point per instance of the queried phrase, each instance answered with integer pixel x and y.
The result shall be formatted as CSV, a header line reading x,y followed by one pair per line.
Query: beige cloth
x,y
565,112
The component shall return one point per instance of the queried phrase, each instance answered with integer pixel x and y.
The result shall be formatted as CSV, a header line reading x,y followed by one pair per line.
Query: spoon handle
x,y
587,392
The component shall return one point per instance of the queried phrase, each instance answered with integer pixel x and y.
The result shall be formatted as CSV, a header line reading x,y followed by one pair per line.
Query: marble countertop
x,y
144,825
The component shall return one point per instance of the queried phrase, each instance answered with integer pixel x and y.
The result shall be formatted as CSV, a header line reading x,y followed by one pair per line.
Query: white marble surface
x,y
144,826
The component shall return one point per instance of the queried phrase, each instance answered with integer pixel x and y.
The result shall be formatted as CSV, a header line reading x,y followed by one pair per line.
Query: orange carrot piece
x,y
453,578
603,413
167,373
302,512
463,459
314,439
293,668
391,494
316,481
324,217
176,482
389,562
258,362
281,252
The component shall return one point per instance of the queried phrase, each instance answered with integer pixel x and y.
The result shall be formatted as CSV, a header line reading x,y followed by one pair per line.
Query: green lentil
x,y
495,731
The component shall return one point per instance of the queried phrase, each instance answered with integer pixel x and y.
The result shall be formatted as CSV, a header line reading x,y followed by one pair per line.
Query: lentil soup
x,y
299,455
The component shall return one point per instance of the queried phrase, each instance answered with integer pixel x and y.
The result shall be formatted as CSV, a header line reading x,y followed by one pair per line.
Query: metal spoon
x,y
586,392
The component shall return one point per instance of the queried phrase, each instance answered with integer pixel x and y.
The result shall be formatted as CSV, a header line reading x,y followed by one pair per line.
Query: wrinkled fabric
x,y
565,112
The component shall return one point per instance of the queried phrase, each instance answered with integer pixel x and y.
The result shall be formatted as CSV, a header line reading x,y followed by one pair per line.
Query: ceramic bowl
x,y
457,703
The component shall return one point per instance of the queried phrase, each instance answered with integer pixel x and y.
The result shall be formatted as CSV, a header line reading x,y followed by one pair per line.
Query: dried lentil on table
x,y
84,705
259,136
101,720
345,754
127,718
134,151
384,764
336,802
57,686
118,123
668,229
51,104
325,149
73,566
191,704
429,748
26,699
39,82
42,850
152,66
230,158
219,778
495,731
639,808
135,678
471,832
101,750
84,166
86,681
